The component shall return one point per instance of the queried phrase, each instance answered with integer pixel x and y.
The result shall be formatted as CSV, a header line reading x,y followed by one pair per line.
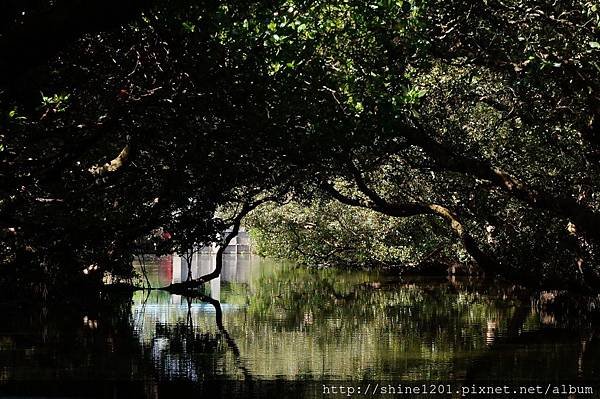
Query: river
x,y
269,327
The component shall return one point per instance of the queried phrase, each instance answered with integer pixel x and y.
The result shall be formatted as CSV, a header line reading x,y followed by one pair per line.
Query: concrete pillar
x,y
215,288
180,269
176,276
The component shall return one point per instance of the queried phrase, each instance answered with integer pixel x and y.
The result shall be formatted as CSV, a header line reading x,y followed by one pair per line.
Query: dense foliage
x,y
480,116
329,233
484,117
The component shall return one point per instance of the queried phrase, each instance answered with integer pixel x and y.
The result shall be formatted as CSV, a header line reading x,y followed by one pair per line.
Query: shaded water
x,y
272,328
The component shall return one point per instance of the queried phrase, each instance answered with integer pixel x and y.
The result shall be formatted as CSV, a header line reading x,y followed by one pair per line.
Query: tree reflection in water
x,y
284,330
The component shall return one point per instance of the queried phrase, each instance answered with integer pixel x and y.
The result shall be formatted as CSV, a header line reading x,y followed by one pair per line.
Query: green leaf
x,y
594,44
188,26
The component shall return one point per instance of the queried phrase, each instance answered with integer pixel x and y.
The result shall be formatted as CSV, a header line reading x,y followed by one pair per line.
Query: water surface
x,y
269,327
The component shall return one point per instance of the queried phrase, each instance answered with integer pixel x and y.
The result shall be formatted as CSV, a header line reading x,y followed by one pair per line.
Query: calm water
x,y
270,328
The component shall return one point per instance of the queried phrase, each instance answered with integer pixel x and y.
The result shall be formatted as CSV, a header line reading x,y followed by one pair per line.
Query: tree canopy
x,y
183,116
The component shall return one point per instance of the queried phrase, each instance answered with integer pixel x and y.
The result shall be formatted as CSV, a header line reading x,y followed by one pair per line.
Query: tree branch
x,y
586,219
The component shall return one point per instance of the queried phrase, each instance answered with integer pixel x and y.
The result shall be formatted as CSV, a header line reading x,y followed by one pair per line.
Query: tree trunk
x,y
486,262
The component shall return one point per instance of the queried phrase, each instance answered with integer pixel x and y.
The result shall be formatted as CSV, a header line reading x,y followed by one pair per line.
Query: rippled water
x,y
266,327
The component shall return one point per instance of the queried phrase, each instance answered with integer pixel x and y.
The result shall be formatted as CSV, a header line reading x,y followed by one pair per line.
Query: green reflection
x,y
276,322
297,323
